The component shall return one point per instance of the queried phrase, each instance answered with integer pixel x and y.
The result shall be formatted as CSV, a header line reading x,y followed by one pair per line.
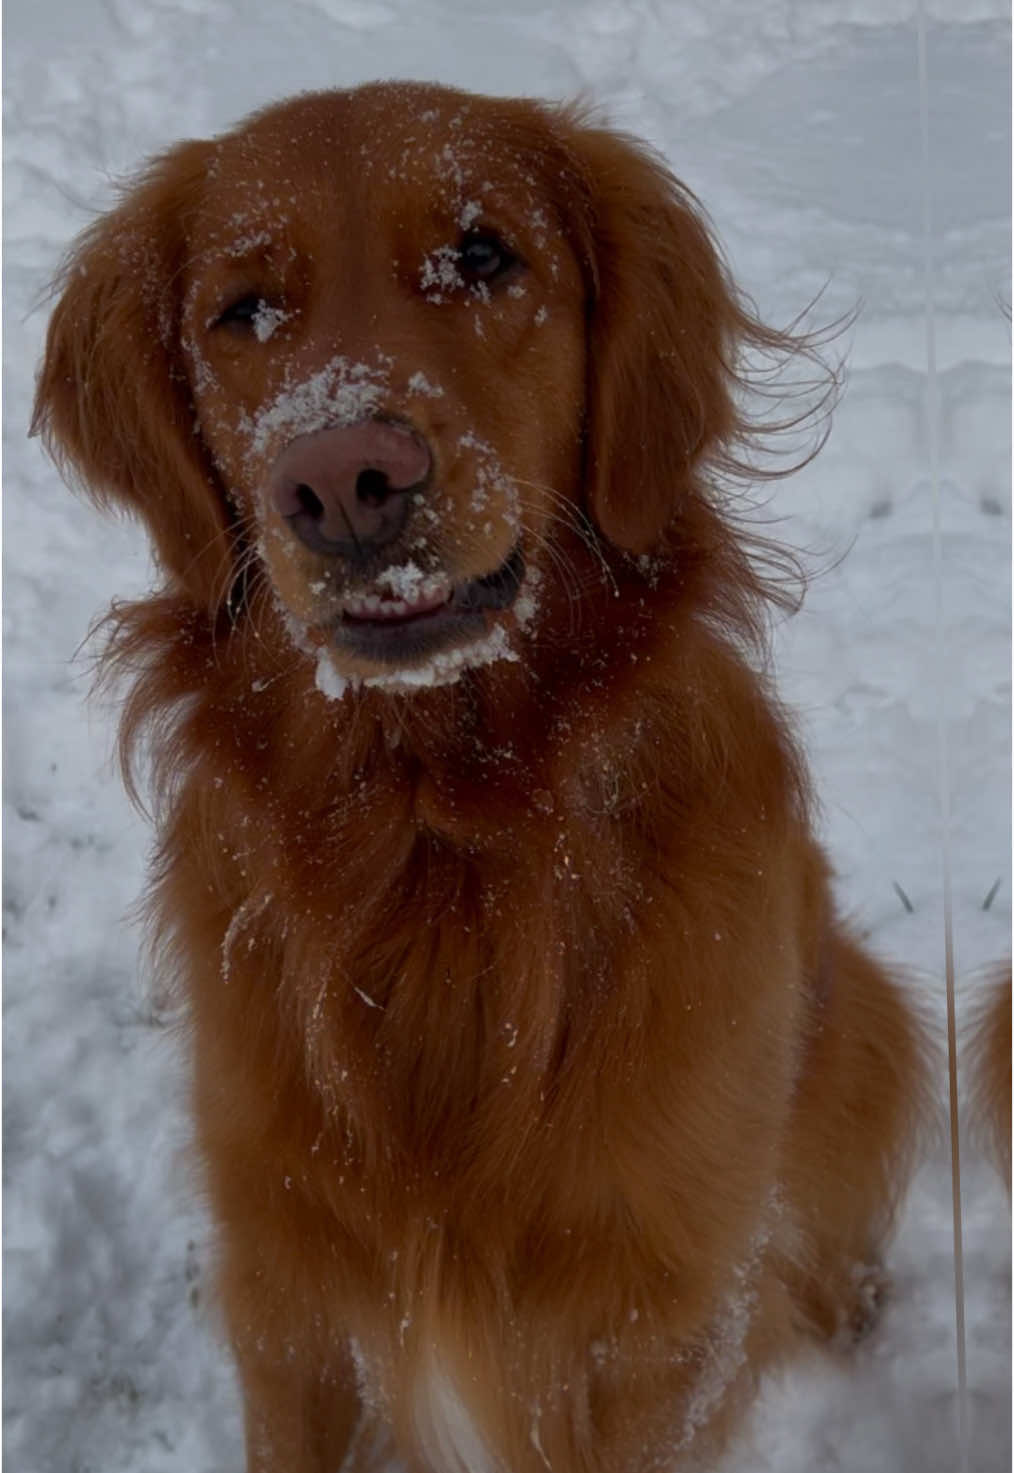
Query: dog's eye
x,y
482,256
242,312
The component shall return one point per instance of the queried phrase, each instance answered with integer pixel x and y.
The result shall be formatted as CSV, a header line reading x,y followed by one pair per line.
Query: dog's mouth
x,y
408,615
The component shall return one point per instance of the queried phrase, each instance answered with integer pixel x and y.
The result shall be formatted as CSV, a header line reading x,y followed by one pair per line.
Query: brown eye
x,y
242,312
482,256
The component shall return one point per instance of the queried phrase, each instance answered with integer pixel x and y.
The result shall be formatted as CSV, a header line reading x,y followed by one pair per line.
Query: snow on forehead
x,y
248,210
443,132
462,148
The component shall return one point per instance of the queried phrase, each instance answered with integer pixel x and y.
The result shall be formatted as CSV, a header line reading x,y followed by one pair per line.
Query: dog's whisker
x,y
576,521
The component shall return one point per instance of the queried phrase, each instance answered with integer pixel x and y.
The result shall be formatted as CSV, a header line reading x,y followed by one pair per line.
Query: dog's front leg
x,y
299,1418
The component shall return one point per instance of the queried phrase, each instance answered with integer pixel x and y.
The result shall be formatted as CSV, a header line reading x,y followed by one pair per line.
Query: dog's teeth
x,y
374,606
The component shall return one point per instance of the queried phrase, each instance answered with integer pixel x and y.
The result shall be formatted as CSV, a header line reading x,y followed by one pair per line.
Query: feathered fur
x,y
541,1096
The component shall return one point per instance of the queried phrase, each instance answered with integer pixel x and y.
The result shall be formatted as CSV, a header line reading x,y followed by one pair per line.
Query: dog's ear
x,y
112,400
663,327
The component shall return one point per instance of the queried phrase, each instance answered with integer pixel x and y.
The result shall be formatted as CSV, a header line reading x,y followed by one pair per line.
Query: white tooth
x,y
397,607
372,604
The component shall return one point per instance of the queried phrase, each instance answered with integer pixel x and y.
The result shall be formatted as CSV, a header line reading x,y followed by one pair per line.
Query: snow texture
x,y
440,669
797,122
339,394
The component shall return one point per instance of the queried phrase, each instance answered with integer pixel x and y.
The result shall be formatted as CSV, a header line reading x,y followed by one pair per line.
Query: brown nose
x,y
346,491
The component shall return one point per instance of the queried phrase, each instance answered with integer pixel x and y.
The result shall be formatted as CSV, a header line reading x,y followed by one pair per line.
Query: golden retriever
x,y
542,1098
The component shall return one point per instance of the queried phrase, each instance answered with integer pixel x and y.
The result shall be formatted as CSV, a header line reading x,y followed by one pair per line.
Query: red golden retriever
x,y
542,1099
989,1044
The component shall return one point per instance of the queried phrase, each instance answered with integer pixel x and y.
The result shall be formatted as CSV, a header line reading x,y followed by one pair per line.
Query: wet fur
x,y
542,1098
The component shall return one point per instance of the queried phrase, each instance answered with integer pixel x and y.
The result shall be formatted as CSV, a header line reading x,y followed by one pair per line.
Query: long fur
x,y
988,1039
541,1096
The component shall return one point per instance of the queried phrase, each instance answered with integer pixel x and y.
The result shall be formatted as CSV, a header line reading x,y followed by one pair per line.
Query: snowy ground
x,y
797,122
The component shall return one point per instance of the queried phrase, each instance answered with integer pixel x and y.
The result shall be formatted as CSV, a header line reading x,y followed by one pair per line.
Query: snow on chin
x,y
441,669
327,680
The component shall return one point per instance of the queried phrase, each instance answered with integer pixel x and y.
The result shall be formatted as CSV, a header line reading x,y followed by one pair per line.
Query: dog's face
x,y
407,355
383,325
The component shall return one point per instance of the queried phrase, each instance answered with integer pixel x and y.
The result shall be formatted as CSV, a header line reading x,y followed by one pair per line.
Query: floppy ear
x,y
112,400
664,323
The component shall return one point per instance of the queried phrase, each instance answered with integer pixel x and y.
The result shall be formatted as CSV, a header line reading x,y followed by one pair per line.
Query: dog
x,y
541,1096
987,1039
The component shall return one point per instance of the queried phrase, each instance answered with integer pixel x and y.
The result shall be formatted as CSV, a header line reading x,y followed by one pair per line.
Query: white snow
x,y
439,273
420,384
339,393
797,123
443,668
408,581
267,320
241,919
328,680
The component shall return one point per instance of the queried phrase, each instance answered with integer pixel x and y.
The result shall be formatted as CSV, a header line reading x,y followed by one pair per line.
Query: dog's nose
x,y
345,491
